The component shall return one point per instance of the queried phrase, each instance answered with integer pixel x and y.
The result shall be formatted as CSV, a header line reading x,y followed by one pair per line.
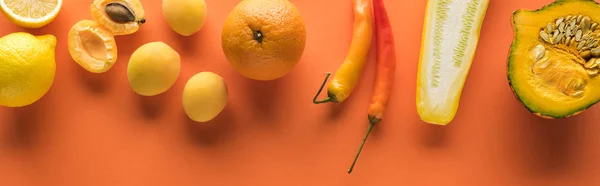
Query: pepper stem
x,y
371,124
329,98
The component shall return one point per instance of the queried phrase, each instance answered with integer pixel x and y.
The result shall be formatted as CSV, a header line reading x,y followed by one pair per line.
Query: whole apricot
x,y
204,96
186,17
153,68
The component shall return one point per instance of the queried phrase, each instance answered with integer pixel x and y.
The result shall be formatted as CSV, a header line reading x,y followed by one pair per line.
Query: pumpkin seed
x,y
579,17
578,85
592,72
568,41
591,64
586,35
561,27
580,45
592,43
586,54
559,20
538,52
585,24
558,38
596,52
578,35
572,42
542,64
544,36
594,26
577,94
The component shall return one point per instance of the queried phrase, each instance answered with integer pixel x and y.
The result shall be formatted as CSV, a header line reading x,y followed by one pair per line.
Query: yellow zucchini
x,y
450,37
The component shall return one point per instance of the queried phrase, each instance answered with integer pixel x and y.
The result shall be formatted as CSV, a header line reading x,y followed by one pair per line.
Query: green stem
x,y
371,124
328,99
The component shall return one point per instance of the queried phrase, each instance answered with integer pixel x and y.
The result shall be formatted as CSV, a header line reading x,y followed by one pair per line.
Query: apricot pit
x,y
92,46
121,17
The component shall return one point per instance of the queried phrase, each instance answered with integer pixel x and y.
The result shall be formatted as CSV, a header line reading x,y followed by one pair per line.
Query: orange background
x,y
92,130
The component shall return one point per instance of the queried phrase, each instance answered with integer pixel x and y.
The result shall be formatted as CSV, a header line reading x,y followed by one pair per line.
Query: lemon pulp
x,y
31,13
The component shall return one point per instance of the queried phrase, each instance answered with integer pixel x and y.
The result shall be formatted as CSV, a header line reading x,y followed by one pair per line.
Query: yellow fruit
x,y
31,13
185,17
27,68
153,68
121,17
263,39
92,47
204,96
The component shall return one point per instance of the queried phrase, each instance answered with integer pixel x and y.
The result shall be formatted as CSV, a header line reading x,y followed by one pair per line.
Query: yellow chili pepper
x,y
350,71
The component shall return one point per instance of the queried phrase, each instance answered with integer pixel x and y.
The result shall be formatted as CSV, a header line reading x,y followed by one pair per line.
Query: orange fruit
x,y
263,39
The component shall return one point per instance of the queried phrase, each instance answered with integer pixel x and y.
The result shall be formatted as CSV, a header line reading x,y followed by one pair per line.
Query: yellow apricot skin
x,y
92,47
204,96
185,17
99,15
153,68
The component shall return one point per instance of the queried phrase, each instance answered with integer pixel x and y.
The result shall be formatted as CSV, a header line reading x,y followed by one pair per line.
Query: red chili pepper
x,y
386,67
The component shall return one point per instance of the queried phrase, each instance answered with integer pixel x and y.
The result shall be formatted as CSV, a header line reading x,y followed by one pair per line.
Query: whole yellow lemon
x,y
27,68
186,17
153,68
204,96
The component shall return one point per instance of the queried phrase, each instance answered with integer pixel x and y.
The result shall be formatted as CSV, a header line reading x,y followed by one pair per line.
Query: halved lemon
x,y
30,13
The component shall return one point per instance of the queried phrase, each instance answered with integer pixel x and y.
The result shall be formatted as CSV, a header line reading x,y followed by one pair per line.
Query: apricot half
x,y
92,47
121,17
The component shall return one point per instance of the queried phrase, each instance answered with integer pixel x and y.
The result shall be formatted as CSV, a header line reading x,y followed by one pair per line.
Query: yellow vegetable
x,y
556,76
450,36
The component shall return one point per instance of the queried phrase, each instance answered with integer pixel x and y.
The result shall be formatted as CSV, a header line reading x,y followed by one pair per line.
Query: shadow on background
x,y
213,132
189,44
97,83
433,136
546,147
153,107
263,95
24,127
127,44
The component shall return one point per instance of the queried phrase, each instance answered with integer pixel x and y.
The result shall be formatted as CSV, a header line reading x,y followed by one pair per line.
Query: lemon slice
x,y
30,13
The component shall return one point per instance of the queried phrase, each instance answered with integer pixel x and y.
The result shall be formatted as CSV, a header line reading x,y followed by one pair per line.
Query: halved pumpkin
x,y
553,63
